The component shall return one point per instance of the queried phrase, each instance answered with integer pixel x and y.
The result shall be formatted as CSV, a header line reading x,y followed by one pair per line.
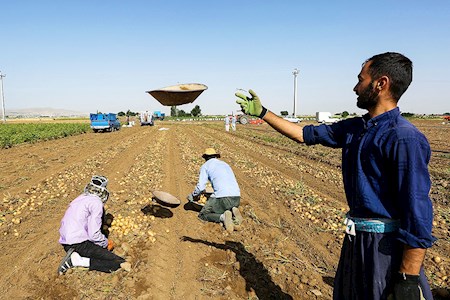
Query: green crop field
x,y
13,134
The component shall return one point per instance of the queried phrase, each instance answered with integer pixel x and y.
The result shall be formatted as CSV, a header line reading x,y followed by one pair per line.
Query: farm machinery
x,y
146,119
245,119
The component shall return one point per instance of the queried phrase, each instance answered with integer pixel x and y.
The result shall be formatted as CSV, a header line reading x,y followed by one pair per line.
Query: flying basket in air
x,y
178,94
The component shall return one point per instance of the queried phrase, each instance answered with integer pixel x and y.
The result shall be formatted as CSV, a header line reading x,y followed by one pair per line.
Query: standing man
x,y
227,123
80,231
233,122
223,204
386,180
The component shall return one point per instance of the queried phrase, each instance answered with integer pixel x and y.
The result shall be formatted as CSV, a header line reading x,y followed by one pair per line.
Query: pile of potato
x,y
126,226
202,199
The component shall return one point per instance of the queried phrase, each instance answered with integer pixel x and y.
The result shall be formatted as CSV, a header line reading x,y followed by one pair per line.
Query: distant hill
x,y
43,112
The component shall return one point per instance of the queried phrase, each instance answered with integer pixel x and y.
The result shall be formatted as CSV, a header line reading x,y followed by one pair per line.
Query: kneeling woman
x,y
80,231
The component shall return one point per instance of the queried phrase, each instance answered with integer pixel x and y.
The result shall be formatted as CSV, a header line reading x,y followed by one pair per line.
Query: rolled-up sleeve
x,y
309,135
411,156
326,135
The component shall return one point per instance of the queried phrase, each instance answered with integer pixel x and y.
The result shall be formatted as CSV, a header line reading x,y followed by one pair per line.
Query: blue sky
x,y
104,55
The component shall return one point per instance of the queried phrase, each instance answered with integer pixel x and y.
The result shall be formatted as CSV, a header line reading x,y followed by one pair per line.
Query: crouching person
x,y
222,206
81,235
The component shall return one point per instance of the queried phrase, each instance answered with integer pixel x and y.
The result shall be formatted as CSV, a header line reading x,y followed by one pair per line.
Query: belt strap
x,y
376,225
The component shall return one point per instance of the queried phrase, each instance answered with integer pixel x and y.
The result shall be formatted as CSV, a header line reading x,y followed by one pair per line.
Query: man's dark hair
x,y
208,157
397,67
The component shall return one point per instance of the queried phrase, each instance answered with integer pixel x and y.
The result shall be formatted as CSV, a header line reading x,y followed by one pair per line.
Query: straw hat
x,y
210,152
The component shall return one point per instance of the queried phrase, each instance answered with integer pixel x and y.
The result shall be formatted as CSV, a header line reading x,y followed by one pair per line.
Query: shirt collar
x,y
384,117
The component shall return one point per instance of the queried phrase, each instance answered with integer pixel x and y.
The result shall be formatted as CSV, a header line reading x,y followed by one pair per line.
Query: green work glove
x,y
251,105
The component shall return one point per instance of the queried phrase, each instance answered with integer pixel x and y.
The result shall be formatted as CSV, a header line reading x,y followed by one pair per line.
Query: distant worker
x,y
386,180
233,123
80,231
222,206
227,123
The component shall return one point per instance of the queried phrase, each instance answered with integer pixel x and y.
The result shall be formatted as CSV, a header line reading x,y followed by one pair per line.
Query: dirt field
x,y
287,247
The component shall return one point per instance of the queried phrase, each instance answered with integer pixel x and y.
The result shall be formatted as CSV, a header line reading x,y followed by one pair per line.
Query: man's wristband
x,y
263,112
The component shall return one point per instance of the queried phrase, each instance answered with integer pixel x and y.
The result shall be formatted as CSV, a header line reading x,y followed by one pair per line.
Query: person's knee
x,y
202,217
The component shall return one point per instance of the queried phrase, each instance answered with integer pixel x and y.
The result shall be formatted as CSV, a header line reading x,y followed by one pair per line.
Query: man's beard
x,y
368,98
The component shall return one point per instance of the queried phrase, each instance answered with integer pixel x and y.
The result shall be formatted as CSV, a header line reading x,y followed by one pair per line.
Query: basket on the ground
x,y
166,198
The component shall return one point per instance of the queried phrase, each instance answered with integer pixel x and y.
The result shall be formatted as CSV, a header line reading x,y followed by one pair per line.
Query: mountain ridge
x,y
44,112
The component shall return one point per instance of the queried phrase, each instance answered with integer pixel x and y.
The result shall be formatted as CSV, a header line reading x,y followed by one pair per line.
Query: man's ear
x,y
383,83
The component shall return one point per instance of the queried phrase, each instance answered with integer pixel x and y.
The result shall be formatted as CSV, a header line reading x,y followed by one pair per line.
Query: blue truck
x,y
158,115
104,122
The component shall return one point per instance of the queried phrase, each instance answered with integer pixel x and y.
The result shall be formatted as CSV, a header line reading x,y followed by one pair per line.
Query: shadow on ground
x,y
157,211
328,280
255,274
441,293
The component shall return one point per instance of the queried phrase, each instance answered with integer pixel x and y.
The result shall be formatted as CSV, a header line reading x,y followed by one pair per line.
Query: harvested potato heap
x,y
202,199
123,227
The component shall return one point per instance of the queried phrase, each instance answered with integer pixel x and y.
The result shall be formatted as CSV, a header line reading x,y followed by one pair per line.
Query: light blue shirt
x,y
222,179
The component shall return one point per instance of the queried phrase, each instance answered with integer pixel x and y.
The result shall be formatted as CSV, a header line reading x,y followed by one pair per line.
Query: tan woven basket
x,y
166,197
178,94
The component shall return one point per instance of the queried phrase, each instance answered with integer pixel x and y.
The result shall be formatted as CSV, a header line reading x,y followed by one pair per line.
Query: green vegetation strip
x,y
13,134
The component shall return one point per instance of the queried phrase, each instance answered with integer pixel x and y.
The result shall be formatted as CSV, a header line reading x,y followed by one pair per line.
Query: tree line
x,y
196,112
174,112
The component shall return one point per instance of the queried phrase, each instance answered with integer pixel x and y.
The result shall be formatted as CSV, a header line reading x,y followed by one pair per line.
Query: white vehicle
x,y
146,118
325,117
293,119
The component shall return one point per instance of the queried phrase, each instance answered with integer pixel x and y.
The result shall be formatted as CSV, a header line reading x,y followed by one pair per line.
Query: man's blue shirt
x,y
385,171
222,179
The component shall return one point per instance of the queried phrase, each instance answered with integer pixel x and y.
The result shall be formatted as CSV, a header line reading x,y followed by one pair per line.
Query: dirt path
x,y
173,264
287,247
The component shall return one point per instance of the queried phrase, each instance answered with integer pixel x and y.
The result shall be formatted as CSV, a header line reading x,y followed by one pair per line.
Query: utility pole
x,y
3,96
295,73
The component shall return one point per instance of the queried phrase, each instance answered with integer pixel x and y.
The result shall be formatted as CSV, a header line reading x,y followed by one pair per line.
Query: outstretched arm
x,y
252,106
284,127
